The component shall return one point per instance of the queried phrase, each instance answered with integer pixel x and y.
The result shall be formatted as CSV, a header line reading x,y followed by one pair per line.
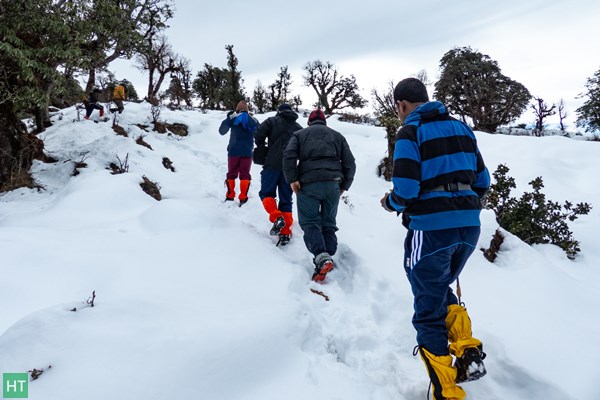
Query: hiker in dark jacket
x,y
271,137
439,178
319,166
91,103
239,151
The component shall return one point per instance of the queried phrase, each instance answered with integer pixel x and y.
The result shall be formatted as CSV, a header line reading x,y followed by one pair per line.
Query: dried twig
x,y
90,300
318,292
35,373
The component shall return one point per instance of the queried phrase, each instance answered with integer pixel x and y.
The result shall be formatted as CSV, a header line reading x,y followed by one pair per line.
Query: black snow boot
x,y
470,366
283,240
277,226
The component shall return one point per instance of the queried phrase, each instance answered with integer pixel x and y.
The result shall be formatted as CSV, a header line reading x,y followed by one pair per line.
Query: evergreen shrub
x,y
532,217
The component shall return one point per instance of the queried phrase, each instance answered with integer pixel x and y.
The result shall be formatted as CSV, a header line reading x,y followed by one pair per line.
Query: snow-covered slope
x,y
194,301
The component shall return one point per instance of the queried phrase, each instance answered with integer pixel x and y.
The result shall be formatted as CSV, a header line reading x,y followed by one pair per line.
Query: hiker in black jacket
x,y
319,166
91,103
271,137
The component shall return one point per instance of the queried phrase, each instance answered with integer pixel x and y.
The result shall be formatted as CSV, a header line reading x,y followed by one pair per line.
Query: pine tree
x,y
259,98
588,115
279,91
233,91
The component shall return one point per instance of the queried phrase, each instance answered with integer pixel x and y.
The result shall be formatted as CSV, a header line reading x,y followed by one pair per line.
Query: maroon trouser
x,y
239,166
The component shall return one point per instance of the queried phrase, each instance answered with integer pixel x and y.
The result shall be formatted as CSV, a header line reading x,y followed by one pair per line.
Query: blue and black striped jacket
x,y
432,150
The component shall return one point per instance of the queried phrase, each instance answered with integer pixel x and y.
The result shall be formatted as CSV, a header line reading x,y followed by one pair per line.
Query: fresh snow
x,y
195,301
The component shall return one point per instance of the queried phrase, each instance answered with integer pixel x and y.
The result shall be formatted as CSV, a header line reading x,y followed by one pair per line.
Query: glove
x,y
385,203
259,156
229,113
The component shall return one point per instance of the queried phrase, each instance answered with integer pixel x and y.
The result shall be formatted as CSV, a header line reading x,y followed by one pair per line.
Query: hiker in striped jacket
x,y
439,179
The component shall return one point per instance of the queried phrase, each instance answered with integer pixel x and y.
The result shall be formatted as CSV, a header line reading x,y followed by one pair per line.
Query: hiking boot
x,y
244,187
283,240
470,366
277,226
230,185
442,376
323,265
242,202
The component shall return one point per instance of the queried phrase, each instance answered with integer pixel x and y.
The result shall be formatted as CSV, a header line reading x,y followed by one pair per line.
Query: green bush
x,y
532,218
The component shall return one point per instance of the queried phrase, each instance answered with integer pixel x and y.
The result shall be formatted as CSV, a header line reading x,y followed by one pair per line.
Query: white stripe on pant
x,y
416,246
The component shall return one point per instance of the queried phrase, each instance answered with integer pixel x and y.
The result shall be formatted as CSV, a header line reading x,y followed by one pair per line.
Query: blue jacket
x,y
241,141
432,150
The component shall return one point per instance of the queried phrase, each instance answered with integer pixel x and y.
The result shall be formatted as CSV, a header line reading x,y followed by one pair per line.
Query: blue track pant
x,y
433,261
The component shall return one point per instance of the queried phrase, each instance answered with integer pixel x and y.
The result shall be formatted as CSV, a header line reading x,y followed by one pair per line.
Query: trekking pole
x,y
458,292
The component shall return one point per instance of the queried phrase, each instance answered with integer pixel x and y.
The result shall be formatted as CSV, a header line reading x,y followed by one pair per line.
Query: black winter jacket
x,y
319,153
277,131
93,96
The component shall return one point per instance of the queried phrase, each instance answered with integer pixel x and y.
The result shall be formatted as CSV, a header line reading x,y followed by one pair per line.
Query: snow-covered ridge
x,y
194,301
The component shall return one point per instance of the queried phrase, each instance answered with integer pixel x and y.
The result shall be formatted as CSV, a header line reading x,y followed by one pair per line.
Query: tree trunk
x,y
158,84
42,114
91,80
391,139
18,149
151,71
8,131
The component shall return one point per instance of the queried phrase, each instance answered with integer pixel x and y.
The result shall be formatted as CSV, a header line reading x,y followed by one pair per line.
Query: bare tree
x,y
386,114
159,60
180,88
296,102
562,114
333,90
423,77
541,112
384,101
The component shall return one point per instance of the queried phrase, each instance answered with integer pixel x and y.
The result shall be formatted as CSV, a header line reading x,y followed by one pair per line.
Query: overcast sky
x,y
551,47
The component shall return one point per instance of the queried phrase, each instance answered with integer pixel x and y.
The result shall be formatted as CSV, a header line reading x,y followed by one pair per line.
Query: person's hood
x,y
289,115
428,110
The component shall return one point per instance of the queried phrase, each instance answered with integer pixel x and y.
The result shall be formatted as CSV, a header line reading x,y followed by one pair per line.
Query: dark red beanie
x,y
316,114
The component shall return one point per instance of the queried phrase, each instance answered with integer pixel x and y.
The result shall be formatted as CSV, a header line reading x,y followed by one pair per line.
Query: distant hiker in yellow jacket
x,y
119,95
